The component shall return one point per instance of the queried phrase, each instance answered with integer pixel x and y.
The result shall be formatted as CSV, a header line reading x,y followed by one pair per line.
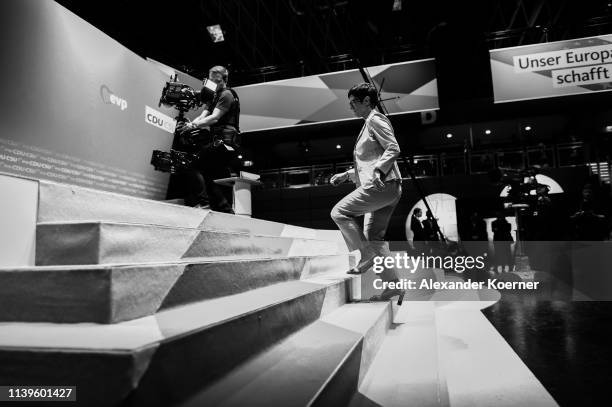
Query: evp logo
x,y
109,98
159,120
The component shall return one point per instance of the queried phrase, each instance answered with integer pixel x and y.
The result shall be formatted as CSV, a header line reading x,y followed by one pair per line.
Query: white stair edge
x,y
360,320
193,217
178,262
371,320
167,324
194,229
405,370
480,367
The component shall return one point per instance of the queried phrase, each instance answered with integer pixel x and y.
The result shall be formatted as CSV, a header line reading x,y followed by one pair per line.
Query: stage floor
x,y
565,344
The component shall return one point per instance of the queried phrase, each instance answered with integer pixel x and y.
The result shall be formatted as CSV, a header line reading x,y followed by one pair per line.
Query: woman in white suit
x,y
378,186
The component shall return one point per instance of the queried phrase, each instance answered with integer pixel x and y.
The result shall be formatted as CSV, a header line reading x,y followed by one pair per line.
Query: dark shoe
x,y
387,294
362,266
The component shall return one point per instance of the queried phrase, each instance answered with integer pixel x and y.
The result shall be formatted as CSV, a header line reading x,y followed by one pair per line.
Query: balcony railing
x,y
433,165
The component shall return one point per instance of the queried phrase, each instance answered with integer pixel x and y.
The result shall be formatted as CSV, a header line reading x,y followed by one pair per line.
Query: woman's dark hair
x,y
361,90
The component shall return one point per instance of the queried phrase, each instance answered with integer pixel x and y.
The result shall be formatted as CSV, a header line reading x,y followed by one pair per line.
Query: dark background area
x,y
310,207
278,39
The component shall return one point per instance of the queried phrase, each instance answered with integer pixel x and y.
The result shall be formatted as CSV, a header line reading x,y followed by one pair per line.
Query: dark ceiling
x,y
275,39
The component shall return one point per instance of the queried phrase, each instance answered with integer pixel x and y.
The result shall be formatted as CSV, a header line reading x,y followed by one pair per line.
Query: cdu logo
x,y
109,98
159,120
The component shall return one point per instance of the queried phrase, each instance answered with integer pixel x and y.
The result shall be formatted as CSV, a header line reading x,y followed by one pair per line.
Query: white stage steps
x,y
143,303
446,353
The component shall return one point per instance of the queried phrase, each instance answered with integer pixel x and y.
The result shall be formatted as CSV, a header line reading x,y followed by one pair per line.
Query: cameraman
x,y
222,116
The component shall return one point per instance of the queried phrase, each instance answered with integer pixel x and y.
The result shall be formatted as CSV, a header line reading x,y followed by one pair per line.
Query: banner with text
x,y
552,69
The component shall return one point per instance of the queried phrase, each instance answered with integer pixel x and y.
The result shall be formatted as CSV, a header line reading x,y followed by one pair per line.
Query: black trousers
x,y
214,163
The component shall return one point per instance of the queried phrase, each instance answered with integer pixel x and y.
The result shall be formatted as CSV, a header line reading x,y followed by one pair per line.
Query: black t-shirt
x,y
229,106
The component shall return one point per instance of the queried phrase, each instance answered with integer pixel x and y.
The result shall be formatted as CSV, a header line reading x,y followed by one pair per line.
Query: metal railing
x,y
435,165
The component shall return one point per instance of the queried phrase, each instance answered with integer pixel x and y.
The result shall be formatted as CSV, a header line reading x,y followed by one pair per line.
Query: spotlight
x,y
487,131
449,135
608,129
215,32
527,128
338,146
240,157
304,146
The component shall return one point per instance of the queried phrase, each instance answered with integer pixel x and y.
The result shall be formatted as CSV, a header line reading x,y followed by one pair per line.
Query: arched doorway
x,y
444,209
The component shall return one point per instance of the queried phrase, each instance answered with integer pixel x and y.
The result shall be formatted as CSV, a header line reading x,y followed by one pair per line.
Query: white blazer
x,y
376,148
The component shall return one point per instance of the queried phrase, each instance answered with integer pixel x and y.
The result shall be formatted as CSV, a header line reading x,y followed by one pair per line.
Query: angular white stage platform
x,y
144,303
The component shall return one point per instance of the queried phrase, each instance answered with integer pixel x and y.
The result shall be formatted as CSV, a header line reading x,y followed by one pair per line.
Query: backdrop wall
x,y
77,106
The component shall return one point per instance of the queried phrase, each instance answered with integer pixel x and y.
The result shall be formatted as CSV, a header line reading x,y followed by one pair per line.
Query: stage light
x,y
240,157
449,135
397,5
487,131
338,146
304,146
527,128
215,32
608,129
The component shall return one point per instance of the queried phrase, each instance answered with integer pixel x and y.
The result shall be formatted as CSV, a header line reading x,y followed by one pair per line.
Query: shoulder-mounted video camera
x,y
184,98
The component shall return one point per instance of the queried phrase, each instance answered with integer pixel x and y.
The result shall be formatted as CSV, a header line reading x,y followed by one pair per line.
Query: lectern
x,y
241,191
